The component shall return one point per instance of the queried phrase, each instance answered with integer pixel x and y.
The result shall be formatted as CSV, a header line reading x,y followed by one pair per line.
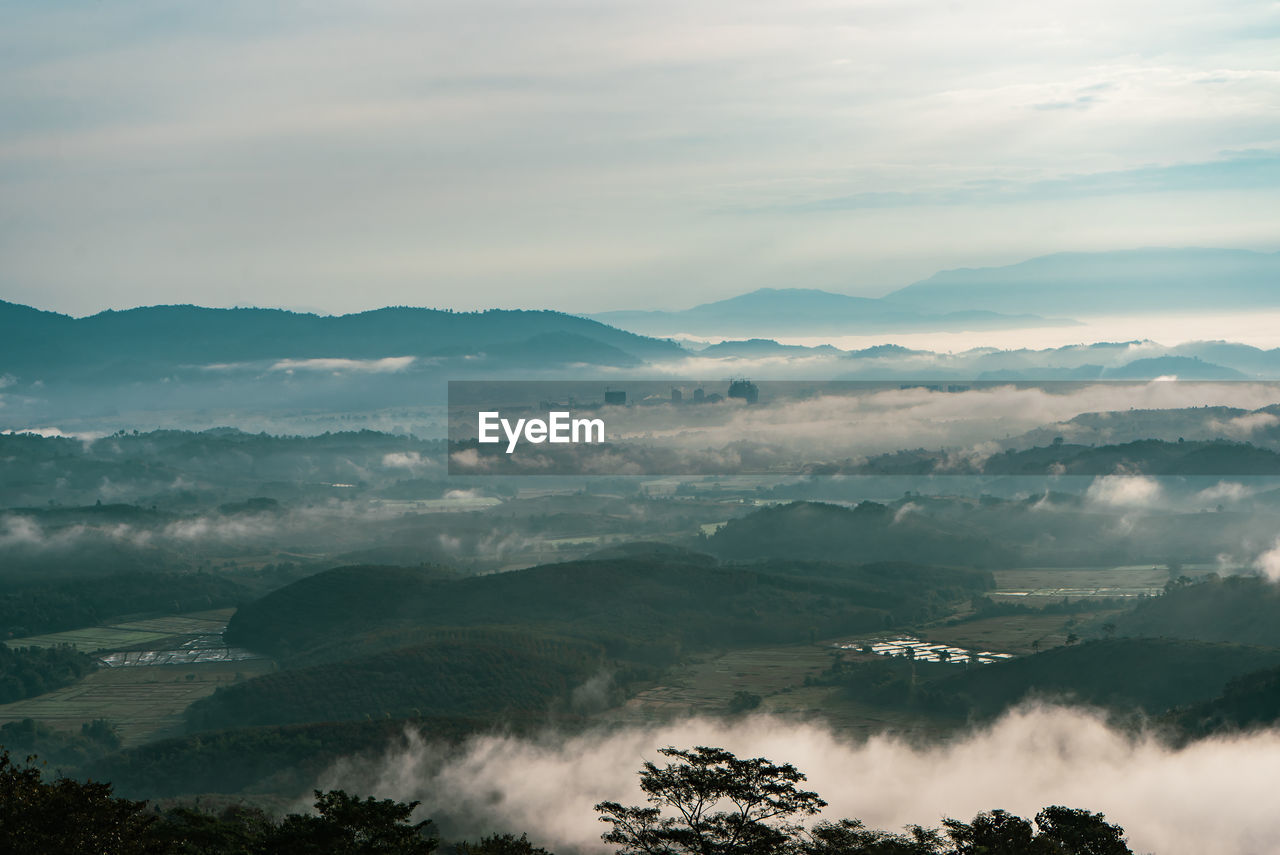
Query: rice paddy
x,y
152,669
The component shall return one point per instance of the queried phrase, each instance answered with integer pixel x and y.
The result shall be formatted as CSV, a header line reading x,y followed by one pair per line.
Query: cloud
x,y
479,155
784,434
1188,801
1247,426
336,366
1268,563
1124,491
410,460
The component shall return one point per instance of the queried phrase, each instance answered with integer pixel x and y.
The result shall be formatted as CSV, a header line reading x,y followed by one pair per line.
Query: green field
x,y
1053,583
144,703
125,634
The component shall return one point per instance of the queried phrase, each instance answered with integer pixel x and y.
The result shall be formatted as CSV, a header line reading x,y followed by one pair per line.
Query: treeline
x,y
29,671
285,759
71,817
66,749
32,608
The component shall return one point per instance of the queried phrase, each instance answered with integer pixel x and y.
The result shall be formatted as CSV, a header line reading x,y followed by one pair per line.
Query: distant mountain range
x,y
55,368
805,311
1045,291
1083,284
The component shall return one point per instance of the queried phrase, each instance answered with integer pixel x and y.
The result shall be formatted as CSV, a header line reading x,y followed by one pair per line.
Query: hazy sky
x,y
595,155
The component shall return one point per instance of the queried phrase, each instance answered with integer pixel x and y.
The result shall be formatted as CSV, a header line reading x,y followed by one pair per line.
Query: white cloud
x,y
1202,798
1268,563
1124,491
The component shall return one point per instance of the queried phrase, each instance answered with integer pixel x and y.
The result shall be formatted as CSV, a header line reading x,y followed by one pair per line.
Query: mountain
x,y
1043,291
1082,284
152,341
806,311
1237,609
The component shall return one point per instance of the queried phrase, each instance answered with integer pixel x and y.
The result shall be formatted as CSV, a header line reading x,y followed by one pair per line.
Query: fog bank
x,y
1188,801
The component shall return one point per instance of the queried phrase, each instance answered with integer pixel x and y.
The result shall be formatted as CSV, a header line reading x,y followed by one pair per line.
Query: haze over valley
x,y
714,428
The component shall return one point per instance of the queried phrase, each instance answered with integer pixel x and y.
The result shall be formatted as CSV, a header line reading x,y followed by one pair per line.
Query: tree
x,y
67,817
347,825
1059,831
501,844
1070,831
851,837
994,832
710,802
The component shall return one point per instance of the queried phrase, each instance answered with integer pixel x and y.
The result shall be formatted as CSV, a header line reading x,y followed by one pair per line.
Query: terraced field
x,y
152,670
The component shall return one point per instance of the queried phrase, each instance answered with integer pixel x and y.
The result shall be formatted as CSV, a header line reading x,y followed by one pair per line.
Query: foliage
x,y
39,607
763,805
257,759
65,748
67,816
70,817
346,825
1059,831
501,844
1248,701
715,804
851,837
744,701
29,671
1240,609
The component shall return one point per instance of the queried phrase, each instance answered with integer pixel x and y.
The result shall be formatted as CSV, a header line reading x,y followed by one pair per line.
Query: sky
x,y
610,154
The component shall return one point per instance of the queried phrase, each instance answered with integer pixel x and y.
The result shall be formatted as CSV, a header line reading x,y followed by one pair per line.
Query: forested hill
x,y
154,339
643,609
1240,609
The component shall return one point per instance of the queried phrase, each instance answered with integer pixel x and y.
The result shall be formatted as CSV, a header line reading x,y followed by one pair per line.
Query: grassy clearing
x,y
1007,634
144,703
776,674
195,623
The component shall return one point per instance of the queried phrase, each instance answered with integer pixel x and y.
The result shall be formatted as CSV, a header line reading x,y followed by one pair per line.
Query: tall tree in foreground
x,y
710,802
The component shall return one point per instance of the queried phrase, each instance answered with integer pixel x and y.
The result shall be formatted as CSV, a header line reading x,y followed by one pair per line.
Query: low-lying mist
x,y
1201,798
